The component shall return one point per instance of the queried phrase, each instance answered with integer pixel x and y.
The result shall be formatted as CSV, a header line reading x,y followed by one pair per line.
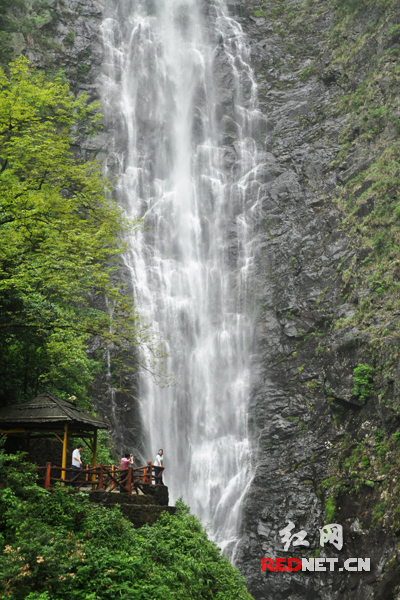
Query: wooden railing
x,y
102,477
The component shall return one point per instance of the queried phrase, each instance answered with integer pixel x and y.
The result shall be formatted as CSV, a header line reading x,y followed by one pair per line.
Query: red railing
x,y
100,477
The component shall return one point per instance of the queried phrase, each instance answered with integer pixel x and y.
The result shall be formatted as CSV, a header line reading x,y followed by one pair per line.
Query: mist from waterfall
x,y
181,103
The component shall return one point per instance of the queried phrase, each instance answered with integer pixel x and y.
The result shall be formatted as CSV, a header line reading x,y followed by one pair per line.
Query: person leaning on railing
x,y
126,460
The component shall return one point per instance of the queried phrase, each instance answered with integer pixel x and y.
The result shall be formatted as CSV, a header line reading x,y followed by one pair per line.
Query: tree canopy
x,y
60,241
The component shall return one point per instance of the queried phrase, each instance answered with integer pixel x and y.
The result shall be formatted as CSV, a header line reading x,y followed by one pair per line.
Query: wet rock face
x,y
303,367
70,40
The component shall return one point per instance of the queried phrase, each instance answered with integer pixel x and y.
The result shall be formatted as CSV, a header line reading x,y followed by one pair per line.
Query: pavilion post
x,y
47,479
101,479
94,450
64,454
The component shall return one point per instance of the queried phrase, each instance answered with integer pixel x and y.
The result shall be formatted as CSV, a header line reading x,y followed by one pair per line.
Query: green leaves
x,y
60,243
83,550
362,379
54,215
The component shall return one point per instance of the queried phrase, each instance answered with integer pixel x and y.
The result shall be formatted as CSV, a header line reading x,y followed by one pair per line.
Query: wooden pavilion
x,y
47,416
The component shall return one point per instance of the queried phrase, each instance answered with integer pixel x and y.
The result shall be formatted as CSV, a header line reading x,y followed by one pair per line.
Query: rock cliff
x,y
325,407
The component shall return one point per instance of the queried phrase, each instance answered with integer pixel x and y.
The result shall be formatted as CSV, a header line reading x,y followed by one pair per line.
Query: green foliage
x,y
8,26
104,452
289,315
330,510
55,223
69,39
83,550
380,227
316,553
181,507
365,462
355,457
35,22
307,73
357,465
381,444
362,380
82,71
379,511
349,5
371,199
312,384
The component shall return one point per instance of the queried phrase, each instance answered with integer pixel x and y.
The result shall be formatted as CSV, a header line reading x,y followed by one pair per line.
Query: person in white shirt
x,y
158,462
76,464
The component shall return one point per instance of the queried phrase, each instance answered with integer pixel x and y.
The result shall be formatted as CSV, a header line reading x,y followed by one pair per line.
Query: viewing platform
x,y
141,501
109,478
138,491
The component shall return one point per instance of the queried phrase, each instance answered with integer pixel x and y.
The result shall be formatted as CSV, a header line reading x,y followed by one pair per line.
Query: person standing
x,y
126,460
158,462
76,464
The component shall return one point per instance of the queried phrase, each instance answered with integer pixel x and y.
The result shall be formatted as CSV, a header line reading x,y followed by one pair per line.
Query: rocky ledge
x,y
139,509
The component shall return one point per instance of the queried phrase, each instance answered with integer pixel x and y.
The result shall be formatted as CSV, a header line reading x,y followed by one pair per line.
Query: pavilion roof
x,y
48,410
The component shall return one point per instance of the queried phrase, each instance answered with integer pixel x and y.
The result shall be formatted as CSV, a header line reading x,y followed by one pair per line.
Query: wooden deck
x,y
100,477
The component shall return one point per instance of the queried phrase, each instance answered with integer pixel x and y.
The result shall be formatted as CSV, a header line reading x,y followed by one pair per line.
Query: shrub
x,y
306,73
58,546
330,510
379,511
69,39
362,379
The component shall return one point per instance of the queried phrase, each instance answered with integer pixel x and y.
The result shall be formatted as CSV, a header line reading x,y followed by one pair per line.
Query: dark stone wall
x,y
305,420
156,495
143,509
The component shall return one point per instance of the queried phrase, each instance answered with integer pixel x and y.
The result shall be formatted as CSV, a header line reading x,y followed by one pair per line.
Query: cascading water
x,y
180,97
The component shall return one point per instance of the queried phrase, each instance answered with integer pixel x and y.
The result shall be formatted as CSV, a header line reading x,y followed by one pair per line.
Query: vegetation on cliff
x,y
368,468
361,59
59,546
358,59
32,24
328,73
60,243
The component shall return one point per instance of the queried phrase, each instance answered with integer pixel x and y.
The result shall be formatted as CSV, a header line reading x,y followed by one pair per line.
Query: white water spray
x,y
181,98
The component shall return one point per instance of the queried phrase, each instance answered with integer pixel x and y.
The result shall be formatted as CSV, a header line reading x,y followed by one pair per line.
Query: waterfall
x,y
180,104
